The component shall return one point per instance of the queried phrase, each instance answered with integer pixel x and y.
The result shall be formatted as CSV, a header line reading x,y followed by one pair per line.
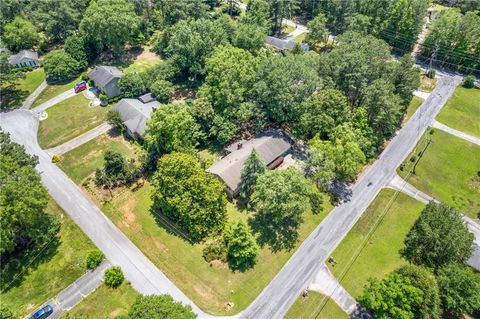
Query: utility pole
x,y
429,141
434,55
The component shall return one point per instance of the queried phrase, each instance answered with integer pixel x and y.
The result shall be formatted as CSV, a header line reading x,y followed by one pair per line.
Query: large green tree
x,y
257,13
318,31
459,289
9,83
438,237
189,196
171,128
191,42
132,85
393,297
424,280
249,37
242,249
20,34
253,168
60,66
322,112
159,307
280,199
283,83
23,199
110,23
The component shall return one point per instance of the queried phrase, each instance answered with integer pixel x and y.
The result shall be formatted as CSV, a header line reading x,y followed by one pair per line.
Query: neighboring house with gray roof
x,y
24,58
272,146
135,115
106,79
284,45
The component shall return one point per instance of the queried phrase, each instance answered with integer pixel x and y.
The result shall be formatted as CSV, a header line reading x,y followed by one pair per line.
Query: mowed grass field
x,y
106,302
68,119
315,306
54,89
412,108
31,81
380,255
448,171
462,111
211,287
29,280
91,154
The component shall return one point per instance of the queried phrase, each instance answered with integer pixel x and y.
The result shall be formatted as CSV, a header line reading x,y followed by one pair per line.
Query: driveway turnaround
x,y
73,294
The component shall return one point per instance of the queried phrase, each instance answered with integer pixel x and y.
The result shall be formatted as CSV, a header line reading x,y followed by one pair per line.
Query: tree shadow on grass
x,y
12,98
278,236
171,227
15,266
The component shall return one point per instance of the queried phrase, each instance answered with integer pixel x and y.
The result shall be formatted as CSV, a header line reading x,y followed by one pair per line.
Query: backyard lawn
x,y
412,107
47,271
315,306
92,153
106,302
448,171
53,90
380,255
143,61
462,111
68,119
211,287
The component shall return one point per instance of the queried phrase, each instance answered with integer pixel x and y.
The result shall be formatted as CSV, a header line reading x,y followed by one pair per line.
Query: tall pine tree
x,y
253,168
242,249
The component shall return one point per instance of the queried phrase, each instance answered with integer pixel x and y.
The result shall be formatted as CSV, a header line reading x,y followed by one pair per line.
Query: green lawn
x,y
91,154
50,270
412,107
315,306
380,255
106,302
32,81
69,119
142,62
462,111
53,90
300,38
448,171
211,287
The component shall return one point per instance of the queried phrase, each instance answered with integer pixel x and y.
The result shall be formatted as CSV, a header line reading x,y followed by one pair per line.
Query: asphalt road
x,y
300,270
118,249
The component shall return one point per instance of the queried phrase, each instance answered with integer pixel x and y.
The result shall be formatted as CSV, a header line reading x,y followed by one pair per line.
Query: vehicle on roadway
x,y
80,86
42,313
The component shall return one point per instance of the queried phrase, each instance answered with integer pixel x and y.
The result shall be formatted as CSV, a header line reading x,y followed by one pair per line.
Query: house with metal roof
x,y
284,45
24,58
135,114
106,79
271,146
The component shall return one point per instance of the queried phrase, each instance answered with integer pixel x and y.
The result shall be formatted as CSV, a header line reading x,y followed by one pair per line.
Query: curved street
x,y
298,272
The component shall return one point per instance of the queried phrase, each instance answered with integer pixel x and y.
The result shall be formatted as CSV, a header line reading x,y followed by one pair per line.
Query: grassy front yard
x,y
211,287
300,38
381,253
462,111
91,154
68,119
43,274
315,306
53,90
412,107
32,81
106,302
447,171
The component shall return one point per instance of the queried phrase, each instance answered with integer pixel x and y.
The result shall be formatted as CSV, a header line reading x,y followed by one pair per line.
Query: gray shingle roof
x,y
269,145
135,114
103,74
281,44
29,54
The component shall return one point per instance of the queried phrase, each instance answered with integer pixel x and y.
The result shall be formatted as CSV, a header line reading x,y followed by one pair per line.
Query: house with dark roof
x,y
24,58
284,45
135,114
271,146
106,79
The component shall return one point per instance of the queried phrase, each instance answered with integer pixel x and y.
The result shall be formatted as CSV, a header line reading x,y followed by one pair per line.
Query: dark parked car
x,y
42,313
80,86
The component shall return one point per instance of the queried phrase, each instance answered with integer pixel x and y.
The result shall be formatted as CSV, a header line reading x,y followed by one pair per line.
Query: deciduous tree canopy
x,y
159,307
